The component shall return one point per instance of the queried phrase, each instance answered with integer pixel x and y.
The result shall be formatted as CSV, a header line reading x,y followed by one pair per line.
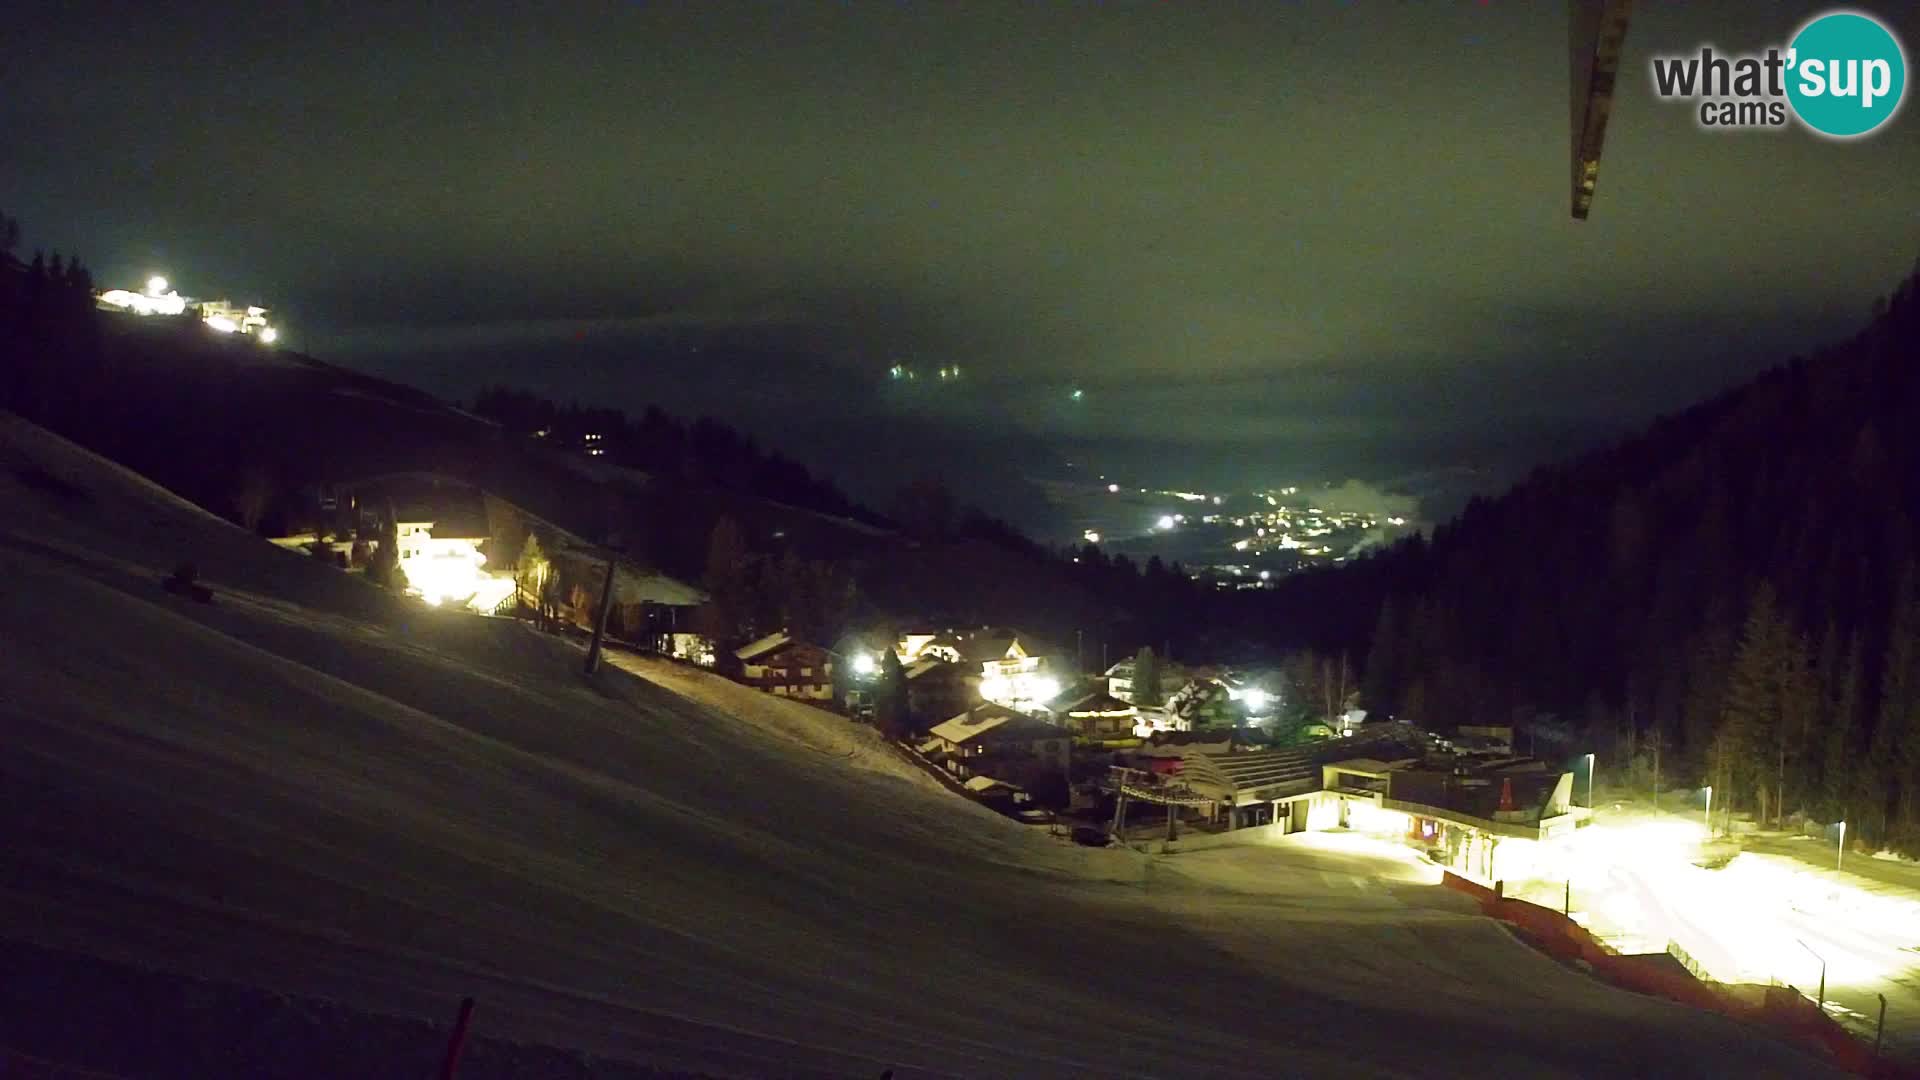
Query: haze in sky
x,y
1265,240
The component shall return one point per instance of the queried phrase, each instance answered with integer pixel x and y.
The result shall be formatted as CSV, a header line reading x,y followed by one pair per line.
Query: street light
x,y
1840,855
1709,821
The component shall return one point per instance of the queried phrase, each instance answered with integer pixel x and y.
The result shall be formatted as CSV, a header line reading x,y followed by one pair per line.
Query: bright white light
x,y
1113,489
170,304
156,286
269,335
1092,537
223,324
447,571
1044,689
1165,522
1266,575
1239,545
996,689
863,664
1255,698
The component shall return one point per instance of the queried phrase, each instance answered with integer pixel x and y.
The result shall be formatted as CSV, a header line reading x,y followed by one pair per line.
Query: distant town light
x,y
223,324
156,285
1092,537
863,664
1113,489
1239,545
1266,575
268,335
1165,522
1255,698
1078,394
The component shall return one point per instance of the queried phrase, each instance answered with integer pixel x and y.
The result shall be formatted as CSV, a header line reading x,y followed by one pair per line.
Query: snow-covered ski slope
x,y
310,787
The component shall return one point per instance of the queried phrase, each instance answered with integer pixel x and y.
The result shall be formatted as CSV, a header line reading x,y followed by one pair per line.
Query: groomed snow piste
x,y
314,788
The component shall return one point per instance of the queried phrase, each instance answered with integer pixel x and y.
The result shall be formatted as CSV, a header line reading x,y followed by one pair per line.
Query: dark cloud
x,y
1258,235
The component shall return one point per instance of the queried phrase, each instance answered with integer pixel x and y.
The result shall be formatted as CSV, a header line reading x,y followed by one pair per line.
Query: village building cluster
x,y
1143,751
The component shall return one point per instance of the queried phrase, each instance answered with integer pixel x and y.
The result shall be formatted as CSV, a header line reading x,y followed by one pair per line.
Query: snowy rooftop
x,y
764,645
1097,702
995,721
980,784
921,667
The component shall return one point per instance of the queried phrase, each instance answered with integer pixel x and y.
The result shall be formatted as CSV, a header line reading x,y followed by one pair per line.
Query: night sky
x,y
1273,242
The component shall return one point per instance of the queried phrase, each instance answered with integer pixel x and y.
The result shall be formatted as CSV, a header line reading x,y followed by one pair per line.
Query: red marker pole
x,y
458,1041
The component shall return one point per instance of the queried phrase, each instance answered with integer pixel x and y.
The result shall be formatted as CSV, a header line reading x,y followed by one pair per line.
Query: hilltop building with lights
x,y
159,298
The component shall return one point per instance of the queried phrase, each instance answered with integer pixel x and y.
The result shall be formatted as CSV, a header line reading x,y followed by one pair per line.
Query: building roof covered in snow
x,y
994,723
1098,703
980,785
928,666
755,649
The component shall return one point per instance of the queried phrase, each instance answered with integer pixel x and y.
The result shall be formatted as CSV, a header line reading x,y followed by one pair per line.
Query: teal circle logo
x,y
1846,74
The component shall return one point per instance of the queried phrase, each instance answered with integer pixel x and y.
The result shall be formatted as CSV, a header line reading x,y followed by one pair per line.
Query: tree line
x,y
1732,592
755,593
704,450
49,333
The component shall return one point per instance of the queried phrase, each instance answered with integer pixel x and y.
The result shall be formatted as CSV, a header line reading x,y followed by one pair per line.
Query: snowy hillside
x,y
310,787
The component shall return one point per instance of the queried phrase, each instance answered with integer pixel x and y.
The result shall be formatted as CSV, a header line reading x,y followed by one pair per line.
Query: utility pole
x,y
600,623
